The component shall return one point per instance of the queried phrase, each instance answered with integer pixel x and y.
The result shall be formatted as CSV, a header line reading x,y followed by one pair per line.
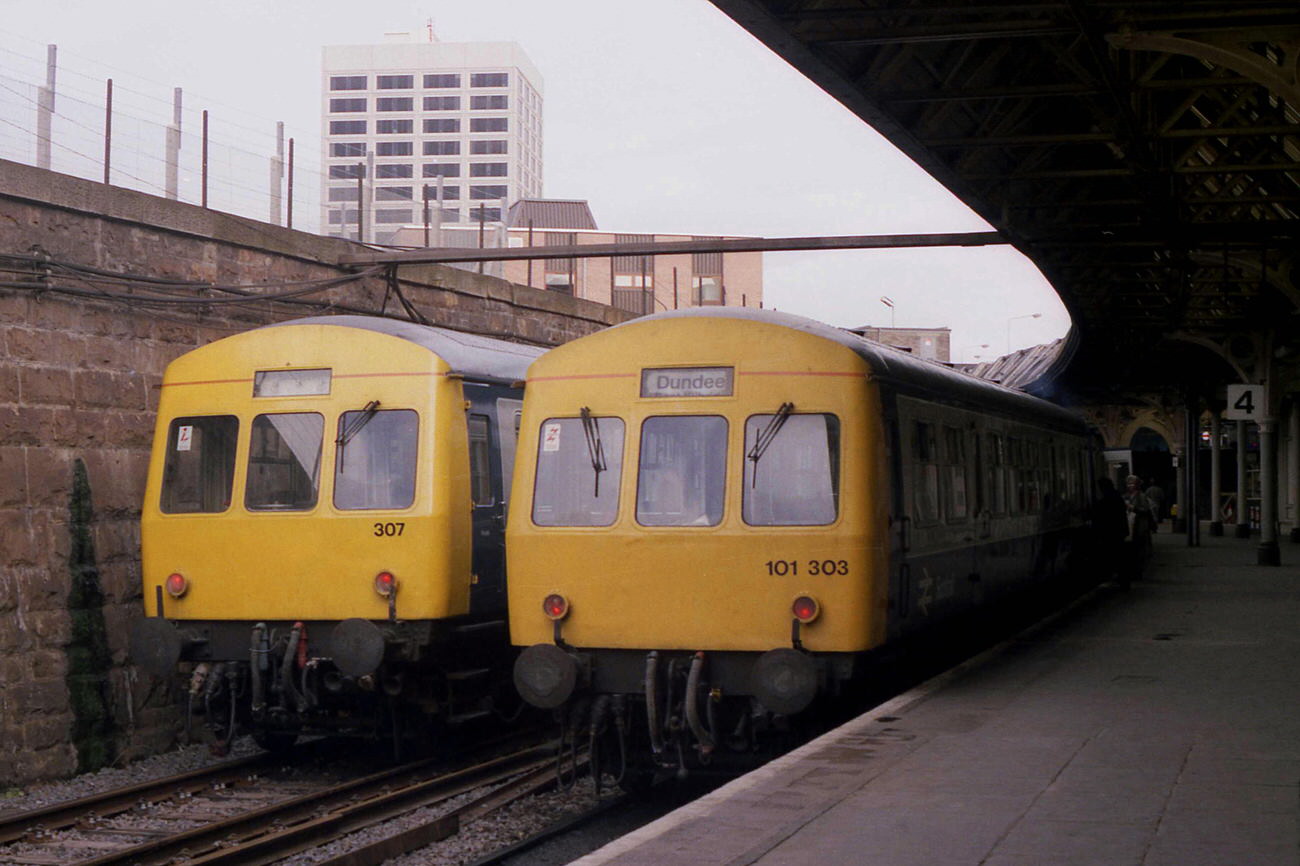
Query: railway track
x,y
238,812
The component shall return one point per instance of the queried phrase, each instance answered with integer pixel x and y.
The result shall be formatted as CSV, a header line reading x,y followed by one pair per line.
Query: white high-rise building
x,y
407,120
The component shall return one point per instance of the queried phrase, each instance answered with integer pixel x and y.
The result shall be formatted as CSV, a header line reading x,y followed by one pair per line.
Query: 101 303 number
x,y
812,567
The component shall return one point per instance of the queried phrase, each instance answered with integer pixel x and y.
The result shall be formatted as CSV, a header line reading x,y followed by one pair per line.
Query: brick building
x,y
637,284
933,344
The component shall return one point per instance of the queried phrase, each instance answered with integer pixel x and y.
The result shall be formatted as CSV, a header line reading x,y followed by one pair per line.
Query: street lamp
x,y
966,349
1012,319
889,302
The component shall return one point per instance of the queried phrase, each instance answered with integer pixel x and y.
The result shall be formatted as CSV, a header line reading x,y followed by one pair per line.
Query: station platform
x,y
1156,726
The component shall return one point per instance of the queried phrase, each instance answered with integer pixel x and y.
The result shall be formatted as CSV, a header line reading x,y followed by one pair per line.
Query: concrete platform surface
x,y
1158,726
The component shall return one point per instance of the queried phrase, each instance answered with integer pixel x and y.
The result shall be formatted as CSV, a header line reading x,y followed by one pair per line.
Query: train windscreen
x,y
579,469
374,461
792,470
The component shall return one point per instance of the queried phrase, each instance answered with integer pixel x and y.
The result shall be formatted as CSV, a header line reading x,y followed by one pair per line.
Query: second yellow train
x,y
721,513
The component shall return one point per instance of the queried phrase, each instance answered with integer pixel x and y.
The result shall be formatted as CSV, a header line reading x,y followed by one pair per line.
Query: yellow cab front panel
x,y
253,501
684,540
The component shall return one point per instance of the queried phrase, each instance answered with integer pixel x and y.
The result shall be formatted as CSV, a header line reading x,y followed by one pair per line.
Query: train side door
x,y
488,590
509,413
899,519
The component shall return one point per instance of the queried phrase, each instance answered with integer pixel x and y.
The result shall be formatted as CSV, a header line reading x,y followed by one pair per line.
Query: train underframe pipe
x,y
681,711
278,681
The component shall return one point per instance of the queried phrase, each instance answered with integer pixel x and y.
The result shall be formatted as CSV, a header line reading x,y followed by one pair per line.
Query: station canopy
x,y
1144,154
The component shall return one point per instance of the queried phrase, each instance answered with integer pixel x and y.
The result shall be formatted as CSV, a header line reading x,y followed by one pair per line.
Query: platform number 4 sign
x,y
1246,403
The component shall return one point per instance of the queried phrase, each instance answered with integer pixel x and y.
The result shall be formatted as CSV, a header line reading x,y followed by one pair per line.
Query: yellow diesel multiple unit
x,y
322,526
719,511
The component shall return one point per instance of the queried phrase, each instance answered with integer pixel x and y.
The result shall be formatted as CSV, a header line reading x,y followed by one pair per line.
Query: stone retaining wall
x,y
79,381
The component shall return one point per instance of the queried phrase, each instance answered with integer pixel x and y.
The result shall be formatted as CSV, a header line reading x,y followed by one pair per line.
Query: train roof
x,y
471,355
901,370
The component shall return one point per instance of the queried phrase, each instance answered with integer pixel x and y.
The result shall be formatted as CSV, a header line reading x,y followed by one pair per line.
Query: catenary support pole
x,y
1180,486
1186,477
171,182
204,176
45,108
1216,477
277,174
1268,549
368,205
361,202
288,211
108,129
1243,513
1293,470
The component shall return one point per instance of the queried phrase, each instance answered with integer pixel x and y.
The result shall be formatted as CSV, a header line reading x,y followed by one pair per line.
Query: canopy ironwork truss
x,y
1145,154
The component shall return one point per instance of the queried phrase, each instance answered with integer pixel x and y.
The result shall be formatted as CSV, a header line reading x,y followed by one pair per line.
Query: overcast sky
x,y
663,114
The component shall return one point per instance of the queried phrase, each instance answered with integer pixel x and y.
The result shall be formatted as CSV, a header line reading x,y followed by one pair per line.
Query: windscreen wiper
x,y
595,450
350,431
766,436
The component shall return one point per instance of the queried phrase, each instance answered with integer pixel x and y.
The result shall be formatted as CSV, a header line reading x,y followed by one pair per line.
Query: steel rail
x,y
546,834
304,822
377,851
57,816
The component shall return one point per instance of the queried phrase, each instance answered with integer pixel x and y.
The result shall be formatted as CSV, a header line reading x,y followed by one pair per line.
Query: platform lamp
x,y
1012,319
889,302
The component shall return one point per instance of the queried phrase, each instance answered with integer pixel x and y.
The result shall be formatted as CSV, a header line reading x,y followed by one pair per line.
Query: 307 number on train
x,y
813,567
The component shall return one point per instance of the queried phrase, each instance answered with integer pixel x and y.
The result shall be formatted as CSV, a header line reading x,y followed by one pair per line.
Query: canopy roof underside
x,y
1145,154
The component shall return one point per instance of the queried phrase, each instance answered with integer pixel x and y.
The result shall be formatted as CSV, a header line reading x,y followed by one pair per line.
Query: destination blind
x,y
688,382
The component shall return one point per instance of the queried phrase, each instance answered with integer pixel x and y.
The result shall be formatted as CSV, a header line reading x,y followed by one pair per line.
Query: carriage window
x,y
1015,477
200,466
925,479
954,452
374,461
994,461
579,469
683,469
796,479
284,462
480,473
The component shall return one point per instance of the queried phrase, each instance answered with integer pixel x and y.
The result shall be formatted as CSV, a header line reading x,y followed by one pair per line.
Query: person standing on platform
x,y
1138,509
1156,496
1109,529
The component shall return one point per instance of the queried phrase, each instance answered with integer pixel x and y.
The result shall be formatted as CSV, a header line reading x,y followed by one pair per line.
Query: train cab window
x,y
480,473
681,479
792,471
199,470
374,459
925,478
284,462
579,470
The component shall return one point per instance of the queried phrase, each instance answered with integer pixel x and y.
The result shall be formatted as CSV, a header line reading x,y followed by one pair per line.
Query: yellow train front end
x,y
700,529
305,526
